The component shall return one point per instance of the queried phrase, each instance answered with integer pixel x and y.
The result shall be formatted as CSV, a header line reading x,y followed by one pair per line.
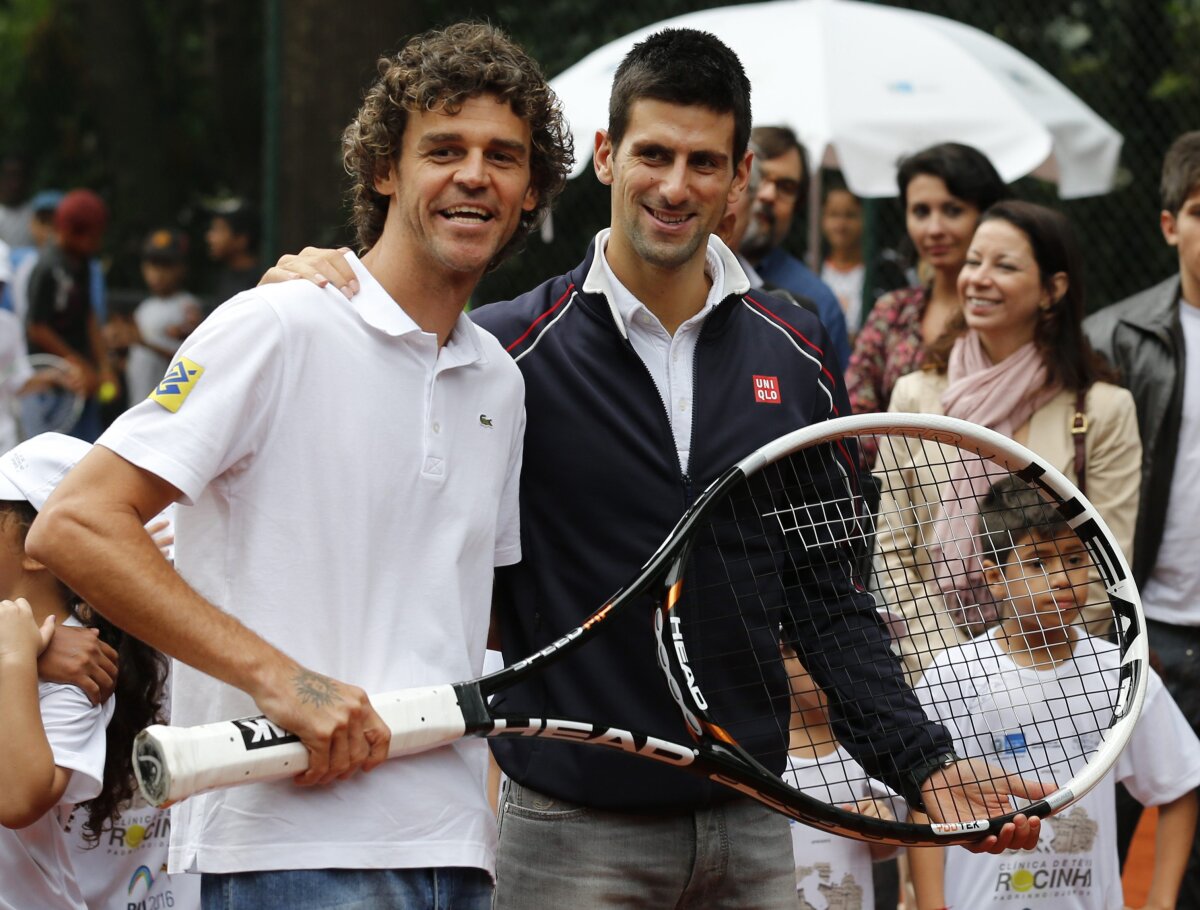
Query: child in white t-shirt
x,y
162,320
1011,693
54,749
831,870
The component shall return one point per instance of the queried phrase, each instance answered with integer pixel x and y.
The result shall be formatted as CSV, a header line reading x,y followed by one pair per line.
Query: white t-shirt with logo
x,y
128,865
35,862
1075,864
349,489
1172,592
831,870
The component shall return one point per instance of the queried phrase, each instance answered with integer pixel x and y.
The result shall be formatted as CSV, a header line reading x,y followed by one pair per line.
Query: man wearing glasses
x,y
782,186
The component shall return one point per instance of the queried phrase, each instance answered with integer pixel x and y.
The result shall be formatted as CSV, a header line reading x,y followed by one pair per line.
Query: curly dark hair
x,y
141,680
439,70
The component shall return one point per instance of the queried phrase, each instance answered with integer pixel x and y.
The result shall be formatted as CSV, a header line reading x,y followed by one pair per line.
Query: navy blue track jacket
x,y
601,488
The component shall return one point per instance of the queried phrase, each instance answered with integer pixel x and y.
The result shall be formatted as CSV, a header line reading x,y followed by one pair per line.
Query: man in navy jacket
x,y
640,368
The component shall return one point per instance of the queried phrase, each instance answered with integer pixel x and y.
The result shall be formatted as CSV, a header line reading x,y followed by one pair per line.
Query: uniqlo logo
x,y
766,389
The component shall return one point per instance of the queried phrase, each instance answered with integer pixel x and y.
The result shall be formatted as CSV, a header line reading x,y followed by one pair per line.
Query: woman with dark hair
x,y
944,190
1015,359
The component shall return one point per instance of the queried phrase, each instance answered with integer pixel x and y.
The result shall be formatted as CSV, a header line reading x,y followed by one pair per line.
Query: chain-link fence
x,y
1132,61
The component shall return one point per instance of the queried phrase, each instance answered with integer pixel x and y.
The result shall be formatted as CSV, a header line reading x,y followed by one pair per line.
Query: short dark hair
x,y
439,70
1011,513
776,141
682,66
966,171
243,221
1068,356
1181,171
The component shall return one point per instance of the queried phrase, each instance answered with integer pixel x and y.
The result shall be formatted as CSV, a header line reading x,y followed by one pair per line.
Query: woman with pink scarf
x,y
1016,361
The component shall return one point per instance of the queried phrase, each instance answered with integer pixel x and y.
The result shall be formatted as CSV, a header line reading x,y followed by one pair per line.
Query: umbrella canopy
x,y
862,85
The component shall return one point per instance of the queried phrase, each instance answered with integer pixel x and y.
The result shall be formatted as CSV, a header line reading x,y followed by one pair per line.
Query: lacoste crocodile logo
x,y
485,421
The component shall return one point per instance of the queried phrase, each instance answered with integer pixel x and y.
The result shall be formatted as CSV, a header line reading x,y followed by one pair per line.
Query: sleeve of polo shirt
x,y
508,522
215,402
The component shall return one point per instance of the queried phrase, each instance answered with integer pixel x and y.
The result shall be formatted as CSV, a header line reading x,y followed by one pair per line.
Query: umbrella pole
x,y
814,220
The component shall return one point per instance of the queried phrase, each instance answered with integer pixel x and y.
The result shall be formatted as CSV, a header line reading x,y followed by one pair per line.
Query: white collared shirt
x,y
352,486
669,358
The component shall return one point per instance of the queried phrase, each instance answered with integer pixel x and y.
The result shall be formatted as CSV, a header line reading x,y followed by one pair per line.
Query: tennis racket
x,y
794,546
52,405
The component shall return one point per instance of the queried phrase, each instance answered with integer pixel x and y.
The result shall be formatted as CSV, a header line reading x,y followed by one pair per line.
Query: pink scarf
x,y
1001,397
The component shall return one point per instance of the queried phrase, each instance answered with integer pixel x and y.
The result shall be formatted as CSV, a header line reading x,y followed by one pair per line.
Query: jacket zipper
x,y
685,478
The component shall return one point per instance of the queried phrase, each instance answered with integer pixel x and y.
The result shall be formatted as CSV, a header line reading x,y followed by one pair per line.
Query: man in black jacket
x,y
1153,339
639,370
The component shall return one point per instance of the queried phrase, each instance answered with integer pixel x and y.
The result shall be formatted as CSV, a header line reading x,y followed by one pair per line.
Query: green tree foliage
x,y
159,105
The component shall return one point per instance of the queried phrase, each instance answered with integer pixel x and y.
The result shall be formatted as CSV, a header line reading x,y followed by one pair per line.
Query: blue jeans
x,y
555,855
349,889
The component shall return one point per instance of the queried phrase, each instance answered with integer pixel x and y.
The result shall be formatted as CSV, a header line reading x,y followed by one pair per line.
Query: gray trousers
x,y
555,855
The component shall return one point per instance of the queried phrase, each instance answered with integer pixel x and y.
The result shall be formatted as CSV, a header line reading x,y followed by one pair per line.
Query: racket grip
x,y
173,763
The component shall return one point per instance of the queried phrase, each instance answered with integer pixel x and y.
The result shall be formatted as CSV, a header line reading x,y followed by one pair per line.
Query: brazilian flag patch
x,y
177,384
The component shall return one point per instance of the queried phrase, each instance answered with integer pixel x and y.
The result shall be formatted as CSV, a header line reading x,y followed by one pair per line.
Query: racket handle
x,y
173,763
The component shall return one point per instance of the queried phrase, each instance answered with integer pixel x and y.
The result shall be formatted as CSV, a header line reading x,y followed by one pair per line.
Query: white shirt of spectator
x,y
155,317
1074,866
15,371
835,871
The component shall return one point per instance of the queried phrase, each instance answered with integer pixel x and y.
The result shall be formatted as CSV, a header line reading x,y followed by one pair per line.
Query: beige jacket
x,y
903,574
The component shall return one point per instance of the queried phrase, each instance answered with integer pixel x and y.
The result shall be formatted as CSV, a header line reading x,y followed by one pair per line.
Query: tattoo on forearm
x,y
315,689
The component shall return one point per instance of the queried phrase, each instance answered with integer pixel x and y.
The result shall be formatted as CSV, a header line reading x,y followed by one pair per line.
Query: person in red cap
x,y
60,319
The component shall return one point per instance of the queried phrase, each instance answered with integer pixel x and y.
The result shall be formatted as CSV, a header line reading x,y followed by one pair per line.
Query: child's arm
x,y
42,335
33,784
876,808
927,866
1172,846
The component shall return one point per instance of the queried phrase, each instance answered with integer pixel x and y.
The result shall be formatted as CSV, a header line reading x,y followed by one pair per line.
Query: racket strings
x,y
992,603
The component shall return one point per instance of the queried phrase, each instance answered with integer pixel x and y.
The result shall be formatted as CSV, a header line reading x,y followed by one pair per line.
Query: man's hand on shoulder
x,y
320,266
77,657
334,720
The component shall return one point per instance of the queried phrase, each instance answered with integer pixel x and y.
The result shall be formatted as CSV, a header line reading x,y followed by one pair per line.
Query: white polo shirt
x,y
351,488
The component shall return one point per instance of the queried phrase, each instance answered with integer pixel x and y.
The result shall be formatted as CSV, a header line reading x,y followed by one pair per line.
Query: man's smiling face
x,y
461,183
671,177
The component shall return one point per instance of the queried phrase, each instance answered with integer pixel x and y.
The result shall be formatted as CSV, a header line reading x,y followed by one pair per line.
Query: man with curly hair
x,y
352,470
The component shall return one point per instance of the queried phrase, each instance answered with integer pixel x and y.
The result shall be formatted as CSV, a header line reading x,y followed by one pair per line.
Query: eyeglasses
x,y
784,186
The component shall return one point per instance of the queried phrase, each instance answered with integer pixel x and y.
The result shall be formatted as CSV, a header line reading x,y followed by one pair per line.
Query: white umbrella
x,y
863,85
